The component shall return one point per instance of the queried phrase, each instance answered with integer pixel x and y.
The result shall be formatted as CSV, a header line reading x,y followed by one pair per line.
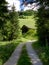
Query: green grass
x,y
6,49
28,22
31,35
24,59
43,52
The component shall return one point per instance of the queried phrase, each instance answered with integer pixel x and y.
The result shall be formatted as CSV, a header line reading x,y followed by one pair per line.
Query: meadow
x,y
30,22
7,47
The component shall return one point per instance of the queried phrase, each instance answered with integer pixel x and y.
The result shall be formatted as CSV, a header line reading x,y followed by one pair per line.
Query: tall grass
x,y
43,52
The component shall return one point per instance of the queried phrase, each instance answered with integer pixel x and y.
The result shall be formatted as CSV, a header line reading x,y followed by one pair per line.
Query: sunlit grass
x,y
28,22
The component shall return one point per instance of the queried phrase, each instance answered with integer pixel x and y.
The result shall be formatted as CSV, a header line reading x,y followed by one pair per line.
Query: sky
x,y
17,4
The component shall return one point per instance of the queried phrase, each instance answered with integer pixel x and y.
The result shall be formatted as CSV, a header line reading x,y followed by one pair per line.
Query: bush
x,y
30,34
24,29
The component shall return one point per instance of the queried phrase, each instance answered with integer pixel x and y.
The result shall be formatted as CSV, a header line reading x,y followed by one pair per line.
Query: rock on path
x,y
32,54
15,55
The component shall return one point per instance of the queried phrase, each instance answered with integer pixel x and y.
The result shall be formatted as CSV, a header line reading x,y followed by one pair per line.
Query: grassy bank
x,y
6,49
43,52
24,59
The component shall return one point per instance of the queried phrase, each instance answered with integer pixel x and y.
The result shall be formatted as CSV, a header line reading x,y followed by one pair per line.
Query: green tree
x,y
14,24
3,18
43,22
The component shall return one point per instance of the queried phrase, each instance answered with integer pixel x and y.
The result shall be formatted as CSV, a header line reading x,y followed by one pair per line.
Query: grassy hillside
x,y
28,22
27,18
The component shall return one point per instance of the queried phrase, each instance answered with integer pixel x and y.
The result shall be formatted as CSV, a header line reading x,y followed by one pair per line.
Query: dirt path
x,y
15,56
32,54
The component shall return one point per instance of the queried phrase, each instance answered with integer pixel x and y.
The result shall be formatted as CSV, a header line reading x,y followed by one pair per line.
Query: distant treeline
x,y
27,13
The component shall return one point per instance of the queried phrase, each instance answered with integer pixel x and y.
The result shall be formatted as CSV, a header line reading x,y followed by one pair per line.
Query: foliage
x,y
9,25
3,18
31,34
14,24
42,51
43,23
24,29
25,14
